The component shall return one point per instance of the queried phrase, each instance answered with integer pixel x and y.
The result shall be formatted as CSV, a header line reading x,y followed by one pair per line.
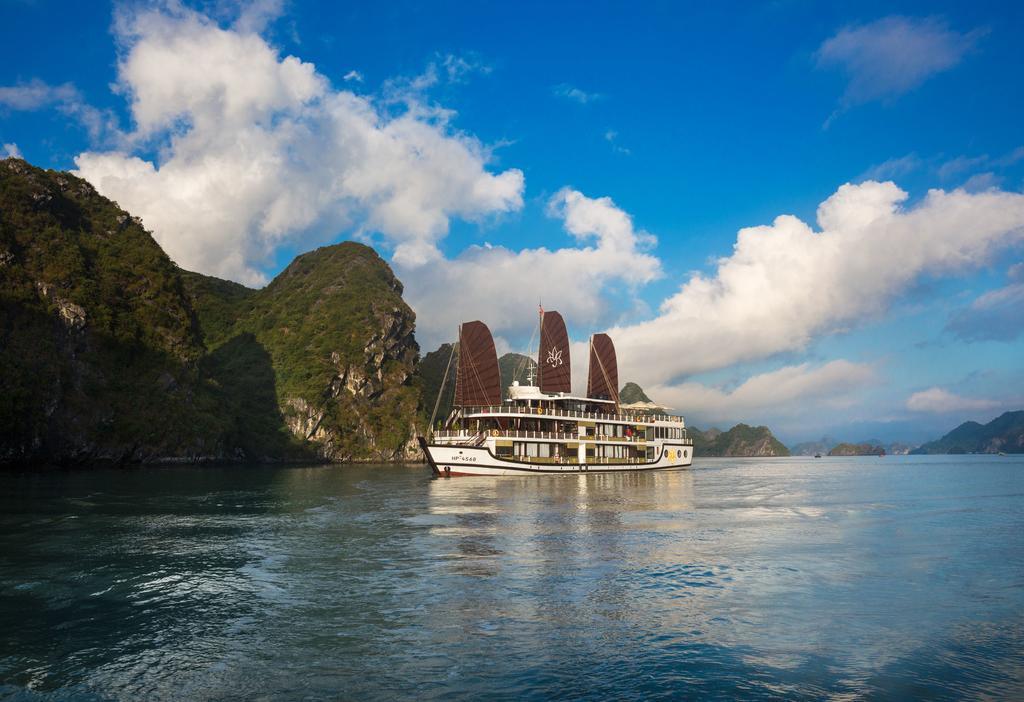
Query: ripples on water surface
x,y
787,578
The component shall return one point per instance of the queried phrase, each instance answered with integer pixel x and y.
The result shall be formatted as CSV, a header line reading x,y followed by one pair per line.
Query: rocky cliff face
x,y
98,343
741,440
110,352
340,341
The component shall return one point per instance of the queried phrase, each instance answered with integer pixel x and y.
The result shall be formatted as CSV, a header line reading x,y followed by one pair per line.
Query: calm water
x,y
786,578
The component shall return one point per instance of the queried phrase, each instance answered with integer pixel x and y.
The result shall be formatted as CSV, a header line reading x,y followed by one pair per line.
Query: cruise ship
x,y
544,428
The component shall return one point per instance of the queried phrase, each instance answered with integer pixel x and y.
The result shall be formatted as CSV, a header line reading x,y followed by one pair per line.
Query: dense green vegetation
x,y
98,342
1004,434
741,440
338,336
108,351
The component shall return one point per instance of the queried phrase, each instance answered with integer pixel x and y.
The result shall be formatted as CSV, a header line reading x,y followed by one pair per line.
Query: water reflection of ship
x,y
540,538
550,521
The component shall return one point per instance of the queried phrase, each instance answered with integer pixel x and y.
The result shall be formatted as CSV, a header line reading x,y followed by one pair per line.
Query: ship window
x,y
504,451
650,453
650,433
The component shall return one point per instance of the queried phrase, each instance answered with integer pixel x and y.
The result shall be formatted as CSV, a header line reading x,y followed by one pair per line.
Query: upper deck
x,y
511,410
529,400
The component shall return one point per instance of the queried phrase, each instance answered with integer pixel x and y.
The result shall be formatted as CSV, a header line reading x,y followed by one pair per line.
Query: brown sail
x,y
553,370
603,377
478,381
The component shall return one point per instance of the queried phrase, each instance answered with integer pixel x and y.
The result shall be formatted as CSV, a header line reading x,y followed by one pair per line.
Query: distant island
x,y
741,440
1004,434
835,447
856,450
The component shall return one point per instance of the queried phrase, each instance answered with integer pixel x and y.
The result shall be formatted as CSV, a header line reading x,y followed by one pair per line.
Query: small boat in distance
x,y
817,455
544,428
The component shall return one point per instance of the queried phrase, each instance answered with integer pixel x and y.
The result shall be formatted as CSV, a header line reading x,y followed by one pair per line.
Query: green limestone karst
x,y
109,351
631,392
1003,434
741,440
863,449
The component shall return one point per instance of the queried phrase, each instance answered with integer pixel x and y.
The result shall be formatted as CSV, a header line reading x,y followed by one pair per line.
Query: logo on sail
x,y
554,358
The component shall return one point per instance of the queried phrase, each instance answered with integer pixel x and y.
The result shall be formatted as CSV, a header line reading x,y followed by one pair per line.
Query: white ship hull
x,y
449,460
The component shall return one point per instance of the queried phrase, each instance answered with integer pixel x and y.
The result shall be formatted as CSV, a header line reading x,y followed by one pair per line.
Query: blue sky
x,y
475,147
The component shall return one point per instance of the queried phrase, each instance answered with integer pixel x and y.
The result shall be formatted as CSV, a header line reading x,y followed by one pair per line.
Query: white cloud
x,y
37,95
982,181
890,56
458,68
353,75
997,315
262,152
785,283
789,390
575,94
956,166
11,151
892,168
938,400
501,286
256,15
612,137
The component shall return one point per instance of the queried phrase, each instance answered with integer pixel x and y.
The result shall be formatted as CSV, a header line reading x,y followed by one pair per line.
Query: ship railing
x,y
530,434
552,412
574,460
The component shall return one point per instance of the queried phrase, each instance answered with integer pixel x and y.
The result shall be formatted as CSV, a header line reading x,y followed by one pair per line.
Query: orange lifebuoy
x,y
494,432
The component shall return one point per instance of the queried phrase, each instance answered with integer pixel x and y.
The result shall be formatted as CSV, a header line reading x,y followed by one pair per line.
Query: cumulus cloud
x,y
262,152
939,401
586,282
791,389
575,94
786,283
998,315
353,75
11,151
893,55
